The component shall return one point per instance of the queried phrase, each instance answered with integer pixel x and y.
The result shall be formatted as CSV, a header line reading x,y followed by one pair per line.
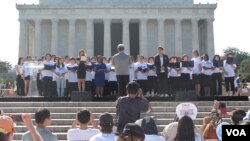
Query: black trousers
x,y
88,86
185,82
162,80
72,87
173,85
122,81
143,84
113,86
47,86
54,89
229,81
152,84
217,84
20,85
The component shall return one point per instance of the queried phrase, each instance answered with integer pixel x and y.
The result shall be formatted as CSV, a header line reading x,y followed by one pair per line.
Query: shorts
x,y
27,77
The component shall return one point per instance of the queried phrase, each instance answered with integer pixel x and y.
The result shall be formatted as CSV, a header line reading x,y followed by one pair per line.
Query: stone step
x,y
63,125
103,109
109,104
97,115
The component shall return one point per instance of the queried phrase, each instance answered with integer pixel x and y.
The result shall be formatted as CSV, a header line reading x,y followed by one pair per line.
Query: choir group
x,y
158,75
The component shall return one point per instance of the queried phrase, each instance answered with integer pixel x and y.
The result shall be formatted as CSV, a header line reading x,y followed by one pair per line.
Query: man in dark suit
x,y
161,63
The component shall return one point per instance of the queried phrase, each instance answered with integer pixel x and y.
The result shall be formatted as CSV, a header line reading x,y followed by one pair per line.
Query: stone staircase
x,y
63,113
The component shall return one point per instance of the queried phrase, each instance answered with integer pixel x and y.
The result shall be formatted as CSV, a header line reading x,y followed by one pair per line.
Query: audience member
x,y
185,130
128,108
83,132
43,120
150,129
106,126
7,128
131,132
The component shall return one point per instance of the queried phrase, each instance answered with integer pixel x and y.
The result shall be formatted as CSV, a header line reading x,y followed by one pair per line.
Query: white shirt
x,y
72,76
161,59
81,135
19,69
103,137
197,63
106,73
141,75
173,73
217,70
151,72
132,72
207,64
228,69
26,69
48,73
111,74
154,138
88,74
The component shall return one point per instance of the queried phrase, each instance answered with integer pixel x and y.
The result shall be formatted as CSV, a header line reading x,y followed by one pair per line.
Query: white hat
x,y
186,109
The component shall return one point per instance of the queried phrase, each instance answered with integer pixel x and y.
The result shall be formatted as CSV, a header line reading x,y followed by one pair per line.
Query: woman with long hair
x,y
81,71
60,80
217,76
229,73
207,67
197,71
185,130
27,74
20,77
152,76
100,69
174,75
186,72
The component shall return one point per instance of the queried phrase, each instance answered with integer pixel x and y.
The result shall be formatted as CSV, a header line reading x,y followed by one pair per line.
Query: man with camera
x,y
7,127
43,119
128,108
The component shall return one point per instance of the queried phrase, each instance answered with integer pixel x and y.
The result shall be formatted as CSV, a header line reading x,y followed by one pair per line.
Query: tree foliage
x,y
239,55
4,66
245,69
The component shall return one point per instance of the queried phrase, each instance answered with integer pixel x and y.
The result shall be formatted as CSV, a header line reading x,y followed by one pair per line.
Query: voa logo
x,y
236,132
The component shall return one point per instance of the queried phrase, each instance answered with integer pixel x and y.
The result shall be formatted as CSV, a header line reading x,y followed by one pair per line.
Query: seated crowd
x,y
158,75
130,125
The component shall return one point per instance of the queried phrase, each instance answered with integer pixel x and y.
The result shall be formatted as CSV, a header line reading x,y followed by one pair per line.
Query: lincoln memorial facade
x,y
63,27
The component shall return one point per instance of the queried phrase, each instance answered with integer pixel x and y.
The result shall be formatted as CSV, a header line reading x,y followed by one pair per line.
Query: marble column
x,y
71,47
54,41
90,37
38,38
178,37
107,37
143,37
125,35
195,34
161,35
210,37
23,50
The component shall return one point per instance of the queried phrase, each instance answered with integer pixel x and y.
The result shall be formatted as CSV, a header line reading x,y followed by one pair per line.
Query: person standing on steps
x,y
121,61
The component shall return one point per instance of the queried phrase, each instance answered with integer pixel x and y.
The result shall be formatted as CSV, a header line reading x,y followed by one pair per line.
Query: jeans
x,y
60,84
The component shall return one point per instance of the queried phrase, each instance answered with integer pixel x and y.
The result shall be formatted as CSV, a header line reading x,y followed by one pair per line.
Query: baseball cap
x,y
106,119
186,109
133,130
6,124
247,117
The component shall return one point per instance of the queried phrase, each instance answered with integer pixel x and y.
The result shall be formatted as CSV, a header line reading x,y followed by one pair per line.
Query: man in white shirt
x,y
83,133
106,126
